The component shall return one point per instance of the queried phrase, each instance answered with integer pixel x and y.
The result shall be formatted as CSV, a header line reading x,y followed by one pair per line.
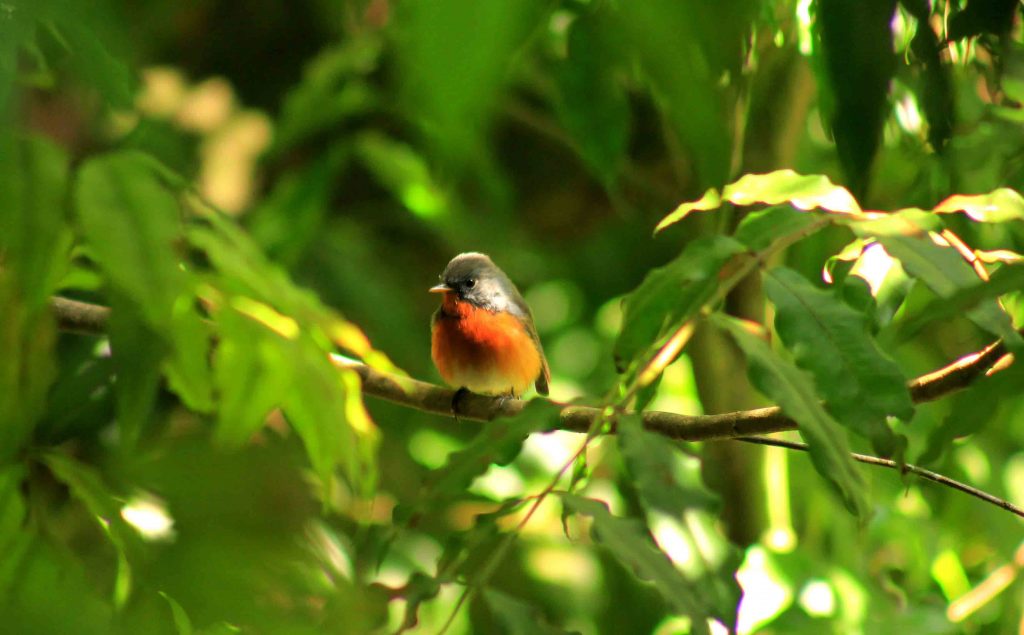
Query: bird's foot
x,y
456,398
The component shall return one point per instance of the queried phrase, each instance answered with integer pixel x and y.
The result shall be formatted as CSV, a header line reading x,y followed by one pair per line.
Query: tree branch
x,y
906,467
82,317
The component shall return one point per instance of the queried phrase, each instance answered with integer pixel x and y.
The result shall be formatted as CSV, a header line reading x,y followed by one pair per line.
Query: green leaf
x,y
946,273
518,617
13,537
402,171
664,35
94,63
803,192
131,223
998,206
87,486
497,443
130,220
332,90
328,416
27,365
137,352
793,390
669,481
591,103
253,370
857,47
35,242
911,320
631,544
861,385
182,624
452,89
670,295
759,230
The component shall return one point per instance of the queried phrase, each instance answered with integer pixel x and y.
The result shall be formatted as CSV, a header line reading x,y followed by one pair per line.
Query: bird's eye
x,y
470,283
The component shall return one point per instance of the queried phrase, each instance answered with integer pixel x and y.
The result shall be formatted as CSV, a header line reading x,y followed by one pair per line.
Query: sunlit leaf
x,y
998,206
669,295
861,385
804,192
631,544
793,390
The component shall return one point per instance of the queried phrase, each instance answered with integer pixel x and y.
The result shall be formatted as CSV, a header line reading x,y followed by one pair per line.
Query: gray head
x,y
473,277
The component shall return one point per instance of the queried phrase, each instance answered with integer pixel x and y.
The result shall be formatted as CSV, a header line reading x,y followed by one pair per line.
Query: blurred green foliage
x,y
252,187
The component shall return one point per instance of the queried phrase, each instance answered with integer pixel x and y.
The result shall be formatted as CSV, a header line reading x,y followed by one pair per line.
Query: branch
x,y
746,425
82,317
906,467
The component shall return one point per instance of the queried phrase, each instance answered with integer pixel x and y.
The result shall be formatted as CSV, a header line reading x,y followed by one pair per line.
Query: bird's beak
x,y
440,288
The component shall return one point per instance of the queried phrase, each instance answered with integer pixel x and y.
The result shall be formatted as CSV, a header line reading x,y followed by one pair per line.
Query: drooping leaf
x,y
804,192
14,538
669,481
130,220
631,544
861,385
663,34
518,617
793,390
669,295
857,47
592,104
935,86
405,173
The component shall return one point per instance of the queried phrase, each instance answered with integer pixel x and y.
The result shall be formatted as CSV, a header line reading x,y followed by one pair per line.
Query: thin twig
x,y
906,467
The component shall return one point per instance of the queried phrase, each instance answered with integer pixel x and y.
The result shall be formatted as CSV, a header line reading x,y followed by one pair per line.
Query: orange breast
x,y
488,353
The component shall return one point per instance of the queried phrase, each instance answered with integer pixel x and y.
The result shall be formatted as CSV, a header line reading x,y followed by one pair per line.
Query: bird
x,y
482,336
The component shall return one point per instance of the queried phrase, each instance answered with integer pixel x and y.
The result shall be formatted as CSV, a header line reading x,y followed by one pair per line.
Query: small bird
x,y
483,338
